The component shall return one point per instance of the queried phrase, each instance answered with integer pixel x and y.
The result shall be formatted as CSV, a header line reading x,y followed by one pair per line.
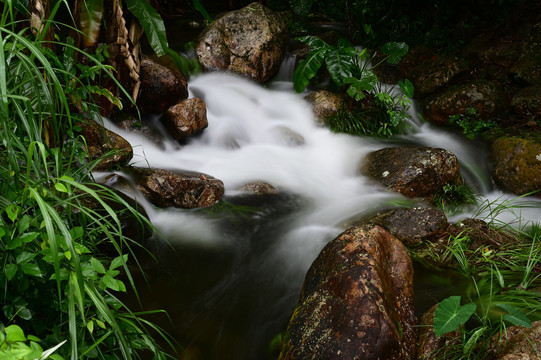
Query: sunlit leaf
x,y
450,315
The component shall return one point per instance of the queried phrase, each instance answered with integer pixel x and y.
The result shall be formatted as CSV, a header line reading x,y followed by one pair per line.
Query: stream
x,y
231,275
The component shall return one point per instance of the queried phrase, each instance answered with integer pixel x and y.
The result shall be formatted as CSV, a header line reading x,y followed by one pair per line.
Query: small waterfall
x,y
244,273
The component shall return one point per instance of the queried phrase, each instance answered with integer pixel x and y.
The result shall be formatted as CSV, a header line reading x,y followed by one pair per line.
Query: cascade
x,y
233,280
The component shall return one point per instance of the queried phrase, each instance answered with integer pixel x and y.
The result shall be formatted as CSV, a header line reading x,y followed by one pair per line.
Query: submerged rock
x,y
516,163
250,42
185,118
414,171
161,87
187,189
356,301
487,97
112,149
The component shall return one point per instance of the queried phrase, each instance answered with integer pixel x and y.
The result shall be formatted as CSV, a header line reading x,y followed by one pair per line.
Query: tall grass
x,y
58,290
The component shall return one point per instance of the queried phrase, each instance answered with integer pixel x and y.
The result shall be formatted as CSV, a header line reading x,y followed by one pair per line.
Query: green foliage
x,y
55,282
470,123
455,198
450,315
152,23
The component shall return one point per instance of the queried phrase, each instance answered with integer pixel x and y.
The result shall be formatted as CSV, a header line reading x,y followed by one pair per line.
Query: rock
x,y
185,118
431,76
413,226
172,8
147,129
487,97
165,188
259,188
250,41
101,141
414,171
516,163
161,87
527,102
493,47
429,343
356,301
518,343
326,104
527,69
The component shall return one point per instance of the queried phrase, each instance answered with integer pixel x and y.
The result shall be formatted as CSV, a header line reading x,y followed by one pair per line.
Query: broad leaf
x,y
407,87
450,315
515,316
90,21
307,69
339,65
152,23
395,51
313,42
14,333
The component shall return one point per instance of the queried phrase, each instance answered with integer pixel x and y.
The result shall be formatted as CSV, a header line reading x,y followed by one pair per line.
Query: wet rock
x,y
518,343
250,41
431,76
111,148
326,104
416,56
414,171
144,128
186,189
527,102
413,226
185,118
356,301
528,69
487,97
161,87
516,163
430,344
493,47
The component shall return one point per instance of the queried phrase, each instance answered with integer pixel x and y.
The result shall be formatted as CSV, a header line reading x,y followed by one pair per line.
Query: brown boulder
x,y
161,87
112,149
356,301
519,343
185,118
527,102
414,171
430,345
250,41
186,189
431,76
326,104
487,97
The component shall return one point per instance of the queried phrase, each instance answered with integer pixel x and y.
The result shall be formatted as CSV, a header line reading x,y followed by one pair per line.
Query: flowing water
x,y
230,277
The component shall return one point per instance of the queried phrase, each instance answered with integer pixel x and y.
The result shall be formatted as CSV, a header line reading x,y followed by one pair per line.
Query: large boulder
x,y
186,189
161,87
431,76
518,343
185,118
326,104
414,171
111,149
516,163
356,301
487,97
527,102
250,41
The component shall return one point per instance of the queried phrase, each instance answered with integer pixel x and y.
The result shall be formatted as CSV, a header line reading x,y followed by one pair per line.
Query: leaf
x,y
152,23
395,51
515,316
449,315
313,42
10,270
14,333
107,94
60,187
24,313
407,87
91,13
339,65
118,261
197,5
307,69
25,257
97,266
31,269
473,340
12,211
28,237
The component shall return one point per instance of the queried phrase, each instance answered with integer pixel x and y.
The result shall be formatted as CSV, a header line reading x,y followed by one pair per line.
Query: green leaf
x,y
97,266
14,243
515,316
118,261
473,340
313,42
152,23
60,187
25,257
10,270
12,211
197,5
339,65
407,87
28,237
107,94
14,333
307,69
395,51
91,13
31,269
450,315
24,313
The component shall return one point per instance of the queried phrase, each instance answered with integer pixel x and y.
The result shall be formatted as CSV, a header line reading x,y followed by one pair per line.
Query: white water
x,y
263,135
